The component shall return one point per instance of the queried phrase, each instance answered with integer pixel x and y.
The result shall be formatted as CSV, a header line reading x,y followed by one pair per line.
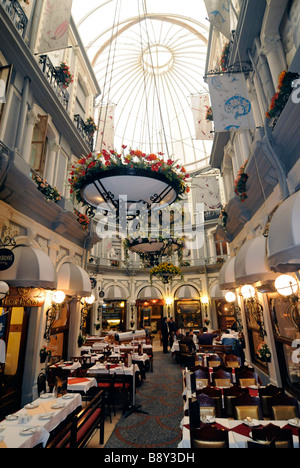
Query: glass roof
x,y
149,58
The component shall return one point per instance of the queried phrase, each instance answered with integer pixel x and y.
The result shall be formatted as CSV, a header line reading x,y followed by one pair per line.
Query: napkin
x,y
77,380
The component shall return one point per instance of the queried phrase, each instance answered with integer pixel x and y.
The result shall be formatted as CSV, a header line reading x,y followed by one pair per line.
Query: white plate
x,y
32,406
58,405
29,431
2,428
294,422
11,417
45,396
68,396
252,423
46,415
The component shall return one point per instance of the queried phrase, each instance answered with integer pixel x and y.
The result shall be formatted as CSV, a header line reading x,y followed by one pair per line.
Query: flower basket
x,y
281,98
83,220
240,183
106,166
64,75
90,126
51,193
166,272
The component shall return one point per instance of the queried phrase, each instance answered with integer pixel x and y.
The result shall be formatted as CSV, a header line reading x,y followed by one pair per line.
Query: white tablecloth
x,y
101,369
11,434
77,384
235,440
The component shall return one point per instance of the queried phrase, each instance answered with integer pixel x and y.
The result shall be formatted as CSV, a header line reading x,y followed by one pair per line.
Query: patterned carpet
x,y
161,397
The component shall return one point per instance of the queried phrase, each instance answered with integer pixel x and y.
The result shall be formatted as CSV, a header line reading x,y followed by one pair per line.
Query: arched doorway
x,y
114,309
150,305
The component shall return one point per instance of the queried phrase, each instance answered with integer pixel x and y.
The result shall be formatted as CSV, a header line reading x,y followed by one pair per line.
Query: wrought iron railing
x,y
16,14
50,73
84,132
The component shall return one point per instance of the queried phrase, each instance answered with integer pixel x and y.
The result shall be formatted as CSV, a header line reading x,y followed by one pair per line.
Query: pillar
x,y
51,161
272,49
32,120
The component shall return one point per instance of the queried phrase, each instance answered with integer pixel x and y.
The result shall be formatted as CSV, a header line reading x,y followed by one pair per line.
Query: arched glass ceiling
x,y
149,57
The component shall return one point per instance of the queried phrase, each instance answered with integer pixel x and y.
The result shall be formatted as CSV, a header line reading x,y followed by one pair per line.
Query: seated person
x,y
189,341
229,339
206,338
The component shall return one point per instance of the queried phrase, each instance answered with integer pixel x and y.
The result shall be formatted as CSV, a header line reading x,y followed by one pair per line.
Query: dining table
x,y
31,426
81,384
109,369
239,433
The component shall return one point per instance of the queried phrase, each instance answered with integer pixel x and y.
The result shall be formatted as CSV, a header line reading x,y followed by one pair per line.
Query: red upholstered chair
x,y
209,437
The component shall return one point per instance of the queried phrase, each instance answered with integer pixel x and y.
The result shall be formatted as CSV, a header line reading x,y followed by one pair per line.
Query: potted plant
x,y
51,193
209,114
83,219
44,353
224,218
81,340
90,126
225,57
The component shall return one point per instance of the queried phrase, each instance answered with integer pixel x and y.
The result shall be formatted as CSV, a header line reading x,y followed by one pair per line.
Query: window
x,y
221,246
39,145
80,103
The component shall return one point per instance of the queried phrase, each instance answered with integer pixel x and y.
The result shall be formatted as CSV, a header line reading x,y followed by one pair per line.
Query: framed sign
x,y
5,75
24,297
7,259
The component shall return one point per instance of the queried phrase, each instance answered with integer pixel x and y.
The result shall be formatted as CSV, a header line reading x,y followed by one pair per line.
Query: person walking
x,y
165,334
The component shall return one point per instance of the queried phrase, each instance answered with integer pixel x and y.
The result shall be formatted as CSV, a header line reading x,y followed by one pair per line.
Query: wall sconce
x,y
52,313
287,286
90,300
230,297
169,301
254,307
4,290
85,310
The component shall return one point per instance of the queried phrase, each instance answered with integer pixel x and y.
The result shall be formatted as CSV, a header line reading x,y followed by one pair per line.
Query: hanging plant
x,y
224,218
166,272
88,169
241,182
280,99
225,57
44,353
51,194
209,114
64,75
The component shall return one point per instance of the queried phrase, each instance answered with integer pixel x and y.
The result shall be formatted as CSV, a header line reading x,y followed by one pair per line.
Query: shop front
x,y
188,308
114,309
150,309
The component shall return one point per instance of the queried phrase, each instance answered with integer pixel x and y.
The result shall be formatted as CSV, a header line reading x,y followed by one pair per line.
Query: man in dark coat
x,y
165,334
206,338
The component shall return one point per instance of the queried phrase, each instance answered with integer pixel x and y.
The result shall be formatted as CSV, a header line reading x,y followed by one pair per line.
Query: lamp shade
x,y
286,285
227,275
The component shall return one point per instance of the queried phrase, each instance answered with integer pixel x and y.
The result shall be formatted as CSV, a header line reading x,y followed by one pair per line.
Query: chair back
x,y
207,405
216,395
283,438
230,394
209,437
222,378
265,394
247,377
214,361
246,406
202,378
284,407
232,361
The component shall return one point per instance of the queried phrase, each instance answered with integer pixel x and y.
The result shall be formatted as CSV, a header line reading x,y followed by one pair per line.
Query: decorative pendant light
x,y
151,251
166,272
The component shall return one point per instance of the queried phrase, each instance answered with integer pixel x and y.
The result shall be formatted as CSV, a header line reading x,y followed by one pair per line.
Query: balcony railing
x,y
50,73
82,129
16,14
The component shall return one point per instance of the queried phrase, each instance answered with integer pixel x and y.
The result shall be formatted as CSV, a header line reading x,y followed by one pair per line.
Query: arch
x,y
187,291
150,292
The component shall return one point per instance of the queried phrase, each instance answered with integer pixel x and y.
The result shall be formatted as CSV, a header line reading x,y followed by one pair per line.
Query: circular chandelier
x,y
152,250
127,183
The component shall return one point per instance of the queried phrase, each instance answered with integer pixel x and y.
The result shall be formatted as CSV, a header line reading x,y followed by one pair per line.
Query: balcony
x,y
82,129
49,71
16,14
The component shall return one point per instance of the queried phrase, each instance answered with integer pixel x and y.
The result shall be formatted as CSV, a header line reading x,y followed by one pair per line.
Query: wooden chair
x,y
222,378
265,394
230,394
283,438
186,358
216,395
247,377
214,361
232,361
106,382
207,405
202,377
246,406
284,407
209,437
258,445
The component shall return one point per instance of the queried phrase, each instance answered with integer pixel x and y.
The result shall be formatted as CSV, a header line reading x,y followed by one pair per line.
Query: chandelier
x,y
151,251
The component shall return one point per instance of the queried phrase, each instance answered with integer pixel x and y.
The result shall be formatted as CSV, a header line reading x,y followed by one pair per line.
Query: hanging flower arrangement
x,y
90,126
166,272
209,114
284,91
83,220
224,218
64,75
241,182
225,57
89,168
51,194
263,352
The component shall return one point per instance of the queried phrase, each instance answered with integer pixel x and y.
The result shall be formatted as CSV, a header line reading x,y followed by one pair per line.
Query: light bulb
x,y
248,291
286,285
230,296
58,297
90,300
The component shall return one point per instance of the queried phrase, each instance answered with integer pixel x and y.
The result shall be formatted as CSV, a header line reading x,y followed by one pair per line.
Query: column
x,y
32,121
273,50
50,162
